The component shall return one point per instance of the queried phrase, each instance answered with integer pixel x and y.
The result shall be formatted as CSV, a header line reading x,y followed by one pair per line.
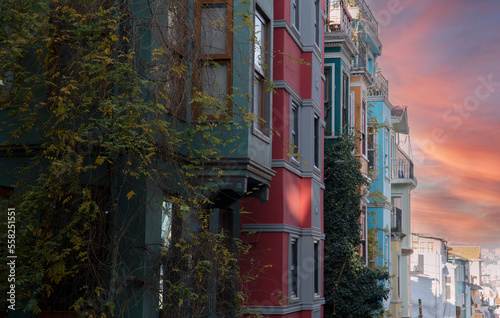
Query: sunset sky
x,y
442,60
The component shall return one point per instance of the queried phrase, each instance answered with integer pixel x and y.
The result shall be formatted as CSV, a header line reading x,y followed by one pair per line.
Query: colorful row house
x,y
357,102
287,230
321,58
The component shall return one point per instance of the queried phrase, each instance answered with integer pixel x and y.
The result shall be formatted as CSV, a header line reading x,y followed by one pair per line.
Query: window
x,y
215,77
294,263
420,266
317,28
295,14
422,247
351,112
364,127
167,45
261,111
448,287
327,86
415,246
216,48
364,234
328,100
170,223
386,154
399,276
372,153
345,102
6,83
294,129
317,141
430,247
316,267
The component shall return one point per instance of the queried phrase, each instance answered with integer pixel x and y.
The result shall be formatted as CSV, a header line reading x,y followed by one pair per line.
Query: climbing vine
x,y
103,119
351,288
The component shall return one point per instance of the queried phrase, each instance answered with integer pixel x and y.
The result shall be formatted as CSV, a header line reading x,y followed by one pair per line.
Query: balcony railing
x,y
396,221
380,88
402,169
365,14
339,18
359,62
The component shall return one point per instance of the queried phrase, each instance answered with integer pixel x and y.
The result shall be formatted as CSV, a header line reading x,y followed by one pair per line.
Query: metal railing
x,y
402,169
335,6
396,220
380,88
366,14
338,18
359,61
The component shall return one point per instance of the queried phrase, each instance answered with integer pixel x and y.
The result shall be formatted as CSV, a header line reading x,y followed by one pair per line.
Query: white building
x,y
429,276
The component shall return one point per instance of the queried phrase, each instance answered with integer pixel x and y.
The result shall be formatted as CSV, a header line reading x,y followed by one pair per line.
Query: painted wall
x,y
294,210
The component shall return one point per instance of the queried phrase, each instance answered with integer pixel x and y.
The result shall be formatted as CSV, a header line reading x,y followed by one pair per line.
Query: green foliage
x,y
87,110
351,288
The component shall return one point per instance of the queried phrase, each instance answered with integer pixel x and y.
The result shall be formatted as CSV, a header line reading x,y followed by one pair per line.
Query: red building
x,y
286,231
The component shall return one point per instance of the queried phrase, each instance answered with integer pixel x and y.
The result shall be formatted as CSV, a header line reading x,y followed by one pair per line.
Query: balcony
x,y
360,61
339,18
380,88
365,15
402,169
396,221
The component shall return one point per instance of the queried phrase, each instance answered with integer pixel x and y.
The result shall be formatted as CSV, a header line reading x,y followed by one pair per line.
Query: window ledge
x,y
295,31
257,133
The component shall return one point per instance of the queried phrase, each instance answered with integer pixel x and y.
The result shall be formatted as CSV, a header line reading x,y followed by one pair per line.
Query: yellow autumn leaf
x,y
99,160
130,194
114,38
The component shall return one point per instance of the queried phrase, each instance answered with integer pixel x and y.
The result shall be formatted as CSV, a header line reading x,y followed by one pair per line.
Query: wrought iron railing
x,y
402,169
359,62
396,220
338,18
364,11
380,88
366,14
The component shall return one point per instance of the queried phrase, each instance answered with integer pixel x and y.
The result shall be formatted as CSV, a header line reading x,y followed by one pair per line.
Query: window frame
x,y
317,268
293,269
372,153
329,101
295,14
295,129
364,126
317,141
352,113
261,104
216,59
317,18
344,123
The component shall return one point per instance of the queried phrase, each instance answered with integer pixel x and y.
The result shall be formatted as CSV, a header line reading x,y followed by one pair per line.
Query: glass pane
x,y
214,29
214,84
316,267
259,44
257,97
166,222
294,269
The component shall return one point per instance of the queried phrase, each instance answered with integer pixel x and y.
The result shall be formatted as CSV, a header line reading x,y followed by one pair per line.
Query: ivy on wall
x,y
351,288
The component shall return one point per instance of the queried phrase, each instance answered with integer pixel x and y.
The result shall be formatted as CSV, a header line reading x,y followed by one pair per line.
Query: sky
x,y
442,60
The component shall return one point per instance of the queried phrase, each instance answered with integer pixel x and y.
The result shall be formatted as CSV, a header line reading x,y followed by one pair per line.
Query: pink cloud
x,y
434,54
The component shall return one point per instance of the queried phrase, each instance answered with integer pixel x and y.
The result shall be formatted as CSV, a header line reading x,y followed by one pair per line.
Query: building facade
x,y
428,272
287,230
403,181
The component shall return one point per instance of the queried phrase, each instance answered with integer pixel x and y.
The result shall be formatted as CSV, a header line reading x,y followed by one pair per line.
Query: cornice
x,y
336,39
283,228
